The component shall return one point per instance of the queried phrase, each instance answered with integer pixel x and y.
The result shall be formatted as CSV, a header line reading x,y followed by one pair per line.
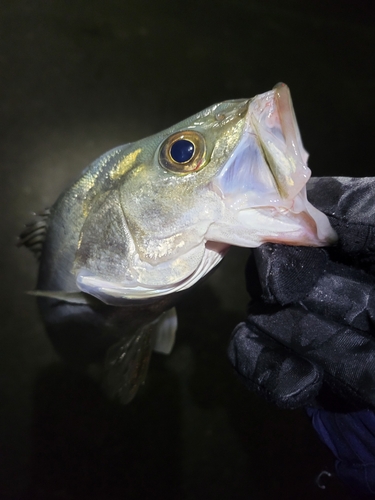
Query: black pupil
x,y
182,151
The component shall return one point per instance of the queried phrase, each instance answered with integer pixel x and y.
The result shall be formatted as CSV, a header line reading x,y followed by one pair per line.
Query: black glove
x,y
309,336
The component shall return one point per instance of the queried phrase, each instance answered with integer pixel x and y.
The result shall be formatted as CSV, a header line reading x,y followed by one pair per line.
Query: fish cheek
x,y
105,241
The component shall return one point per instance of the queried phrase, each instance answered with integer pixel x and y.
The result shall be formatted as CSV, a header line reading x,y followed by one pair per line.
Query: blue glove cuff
x,y
351,438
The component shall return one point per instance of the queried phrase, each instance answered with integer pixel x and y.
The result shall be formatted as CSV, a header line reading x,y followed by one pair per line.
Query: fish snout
x,y
263,183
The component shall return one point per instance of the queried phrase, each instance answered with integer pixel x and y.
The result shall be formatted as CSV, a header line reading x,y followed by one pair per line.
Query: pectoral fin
x,y
126,365
127,361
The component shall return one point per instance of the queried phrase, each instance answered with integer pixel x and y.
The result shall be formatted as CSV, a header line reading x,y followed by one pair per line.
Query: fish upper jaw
x,y
273,120
263,183
269,164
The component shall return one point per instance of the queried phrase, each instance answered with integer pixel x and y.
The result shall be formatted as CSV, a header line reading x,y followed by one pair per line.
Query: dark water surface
x,y
78,78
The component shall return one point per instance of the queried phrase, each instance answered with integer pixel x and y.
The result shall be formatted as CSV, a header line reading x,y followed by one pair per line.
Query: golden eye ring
x,y
183,152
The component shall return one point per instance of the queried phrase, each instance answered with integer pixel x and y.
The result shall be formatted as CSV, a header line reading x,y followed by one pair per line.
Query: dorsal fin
x,y
34,234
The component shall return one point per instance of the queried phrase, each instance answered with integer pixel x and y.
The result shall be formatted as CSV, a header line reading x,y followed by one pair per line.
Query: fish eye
x,y
183,152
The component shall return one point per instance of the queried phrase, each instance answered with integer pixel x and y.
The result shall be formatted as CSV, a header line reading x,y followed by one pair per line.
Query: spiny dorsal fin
x,y
34,234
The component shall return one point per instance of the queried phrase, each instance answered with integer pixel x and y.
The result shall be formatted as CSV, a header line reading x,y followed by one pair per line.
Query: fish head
x,y
169,206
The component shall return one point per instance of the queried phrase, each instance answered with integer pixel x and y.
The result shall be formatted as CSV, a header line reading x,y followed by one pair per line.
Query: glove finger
x,y
349,204
270,370
347,198
346,355
344,295
284,274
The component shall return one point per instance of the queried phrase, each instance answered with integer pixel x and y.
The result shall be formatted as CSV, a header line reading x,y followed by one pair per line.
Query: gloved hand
x,y
309,338
310,333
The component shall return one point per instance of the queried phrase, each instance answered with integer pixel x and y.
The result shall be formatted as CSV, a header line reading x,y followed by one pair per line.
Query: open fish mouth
x,y
247,188
264,181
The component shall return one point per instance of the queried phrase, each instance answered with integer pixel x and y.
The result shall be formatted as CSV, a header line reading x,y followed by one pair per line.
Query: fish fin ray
x,y
165,331
70,297
34,234
126,364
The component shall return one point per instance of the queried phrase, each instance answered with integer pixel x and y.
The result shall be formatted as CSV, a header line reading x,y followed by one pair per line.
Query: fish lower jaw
x,y
308,227
252,227
118,293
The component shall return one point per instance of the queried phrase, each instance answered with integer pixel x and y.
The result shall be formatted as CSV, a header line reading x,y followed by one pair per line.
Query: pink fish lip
x,y
271,118
288,121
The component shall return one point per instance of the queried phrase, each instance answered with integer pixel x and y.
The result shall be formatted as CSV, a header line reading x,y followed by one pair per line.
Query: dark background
x,y
78,78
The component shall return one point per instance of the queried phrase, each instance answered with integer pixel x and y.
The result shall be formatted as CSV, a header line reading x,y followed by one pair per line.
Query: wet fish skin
x,y
165,216
132,235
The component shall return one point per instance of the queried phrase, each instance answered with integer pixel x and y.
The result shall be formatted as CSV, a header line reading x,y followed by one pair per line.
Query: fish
x,y
148,220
